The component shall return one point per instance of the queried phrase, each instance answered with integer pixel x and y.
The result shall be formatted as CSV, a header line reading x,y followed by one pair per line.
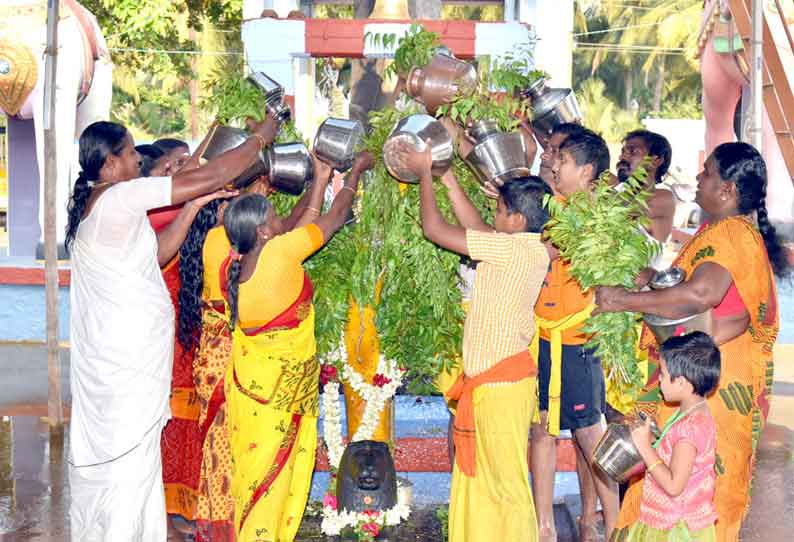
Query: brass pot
x,y
438,83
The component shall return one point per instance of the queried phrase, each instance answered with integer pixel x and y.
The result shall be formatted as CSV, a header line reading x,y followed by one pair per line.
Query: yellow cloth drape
x,y
272,397
497,504
555,328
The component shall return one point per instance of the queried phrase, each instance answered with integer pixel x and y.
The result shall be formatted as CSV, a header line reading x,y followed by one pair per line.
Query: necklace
x,y
675,418
103,184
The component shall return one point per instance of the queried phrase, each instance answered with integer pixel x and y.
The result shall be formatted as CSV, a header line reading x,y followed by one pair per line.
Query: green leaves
x,y
233,99
414,50
598,232
419,317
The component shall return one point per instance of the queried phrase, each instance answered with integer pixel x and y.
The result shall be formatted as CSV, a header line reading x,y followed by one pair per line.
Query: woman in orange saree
x,y
731,265
272,382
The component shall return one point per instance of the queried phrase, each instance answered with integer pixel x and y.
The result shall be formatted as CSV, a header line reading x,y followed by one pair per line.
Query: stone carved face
x,y
366,478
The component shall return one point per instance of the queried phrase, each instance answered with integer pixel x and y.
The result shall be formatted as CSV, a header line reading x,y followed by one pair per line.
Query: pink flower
x,y
329,500
379,380
327,374
371,513
371,528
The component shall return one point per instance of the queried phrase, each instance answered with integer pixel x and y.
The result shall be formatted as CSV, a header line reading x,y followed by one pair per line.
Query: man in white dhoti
x,y
122,327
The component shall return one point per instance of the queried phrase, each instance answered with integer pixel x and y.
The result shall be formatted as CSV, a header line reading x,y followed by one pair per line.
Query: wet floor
x,y
34,489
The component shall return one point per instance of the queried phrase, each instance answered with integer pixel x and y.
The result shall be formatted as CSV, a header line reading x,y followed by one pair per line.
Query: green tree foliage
x,y
151,72
643,50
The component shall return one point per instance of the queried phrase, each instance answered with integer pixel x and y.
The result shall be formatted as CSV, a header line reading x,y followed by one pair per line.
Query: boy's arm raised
x,y
465,211
434,226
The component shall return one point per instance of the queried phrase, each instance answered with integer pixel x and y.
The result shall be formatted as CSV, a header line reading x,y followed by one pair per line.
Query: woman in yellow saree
x,y
272,383
731,265
204,327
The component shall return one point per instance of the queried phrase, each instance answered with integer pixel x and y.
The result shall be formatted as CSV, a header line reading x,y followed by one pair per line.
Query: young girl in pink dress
x,y
678,492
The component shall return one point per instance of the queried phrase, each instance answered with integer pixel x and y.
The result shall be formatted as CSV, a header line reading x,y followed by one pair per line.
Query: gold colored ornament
x,y
18,75
390,9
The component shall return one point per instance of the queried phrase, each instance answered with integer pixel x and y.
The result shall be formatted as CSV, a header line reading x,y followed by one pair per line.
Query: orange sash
x,y
512,369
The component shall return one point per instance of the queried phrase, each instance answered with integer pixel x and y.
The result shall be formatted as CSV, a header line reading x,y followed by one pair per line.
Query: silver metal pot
x,y
336,142
616,454
499,158
418,131
551,106
291,167
667,277
664,328
226,138
481,129
274,96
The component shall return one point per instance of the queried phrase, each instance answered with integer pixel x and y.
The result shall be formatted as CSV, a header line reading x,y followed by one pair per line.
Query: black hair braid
x,y
743,165
240,220
97,142
77,204
191,276
774,248
233,289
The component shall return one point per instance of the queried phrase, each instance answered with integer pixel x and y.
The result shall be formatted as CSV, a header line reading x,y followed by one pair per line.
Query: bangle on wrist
x,y
345,187
262,141
654,465
313,209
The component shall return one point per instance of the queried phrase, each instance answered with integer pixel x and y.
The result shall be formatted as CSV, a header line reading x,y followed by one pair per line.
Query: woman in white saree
x,y
122,327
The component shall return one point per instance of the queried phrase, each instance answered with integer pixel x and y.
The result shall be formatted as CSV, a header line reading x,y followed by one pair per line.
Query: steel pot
x,y
616,454
291,167
664,328
274,96
226,138
667,277
551,106
336,142
418,131
481,129
440,81
499,158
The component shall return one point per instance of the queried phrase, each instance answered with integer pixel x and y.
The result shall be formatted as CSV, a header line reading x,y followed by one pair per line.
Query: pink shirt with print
x,y
695,505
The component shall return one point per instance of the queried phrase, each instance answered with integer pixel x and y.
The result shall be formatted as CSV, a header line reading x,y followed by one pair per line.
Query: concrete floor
x,y
34,492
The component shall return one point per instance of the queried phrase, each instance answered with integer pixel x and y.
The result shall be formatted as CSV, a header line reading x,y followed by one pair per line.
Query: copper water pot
x,y
438,83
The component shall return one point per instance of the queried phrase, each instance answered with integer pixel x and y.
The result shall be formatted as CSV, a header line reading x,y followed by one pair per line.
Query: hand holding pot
x,y
268,128
642,434
322,170
364,161
419,163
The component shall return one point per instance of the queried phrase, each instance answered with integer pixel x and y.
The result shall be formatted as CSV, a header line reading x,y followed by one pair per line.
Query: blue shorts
x,y
583,391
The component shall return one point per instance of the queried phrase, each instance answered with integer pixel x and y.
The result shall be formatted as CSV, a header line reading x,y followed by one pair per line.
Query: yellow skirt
x,y
496,504
272,401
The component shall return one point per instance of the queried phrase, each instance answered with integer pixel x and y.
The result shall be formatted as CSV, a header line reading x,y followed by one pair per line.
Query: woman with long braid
x,y
122,326
272,382
203,328
731,265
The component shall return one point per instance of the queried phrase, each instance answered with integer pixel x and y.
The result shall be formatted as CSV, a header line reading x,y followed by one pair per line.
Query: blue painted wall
x,y
23,313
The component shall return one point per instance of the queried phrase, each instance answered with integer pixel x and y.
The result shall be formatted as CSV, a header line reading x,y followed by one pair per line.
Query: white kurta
x,y
122,337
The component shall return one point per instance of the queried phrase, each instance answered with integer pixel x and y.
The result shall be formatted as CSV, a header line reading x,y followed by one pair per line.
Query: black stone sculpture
x,y
367,480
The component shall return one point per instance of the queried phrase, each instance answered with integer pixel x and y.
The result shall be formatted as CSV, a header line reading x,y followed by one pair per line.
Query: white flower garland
x,y
376,398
